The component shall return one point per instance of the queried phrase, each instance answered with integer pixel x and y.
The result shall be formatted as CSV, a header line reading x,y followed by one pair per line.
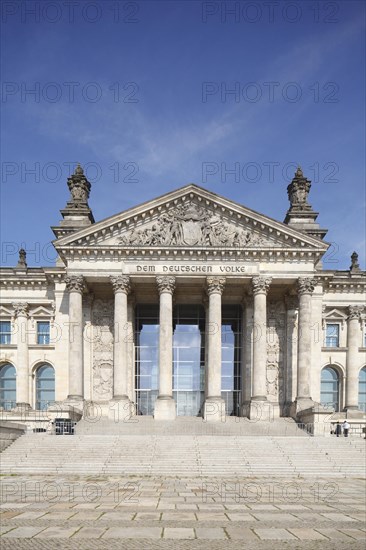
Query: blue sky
x,y
139,93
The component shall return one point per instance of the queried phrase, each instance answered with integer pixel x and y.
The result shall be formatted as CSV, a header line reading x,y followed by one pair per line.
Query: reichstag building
x,y
186,305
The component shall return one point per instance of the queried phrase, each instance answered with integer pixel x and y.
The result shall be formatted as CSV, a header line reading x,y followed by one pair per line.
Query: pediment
x,y
191,218
335,315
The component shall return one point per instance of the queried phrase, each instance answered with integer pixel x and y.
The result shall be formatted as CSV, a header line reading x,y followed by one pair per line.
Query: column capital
x,y
75,283
20,308
121,283
215,285
260,285
354,312
306,285
165,283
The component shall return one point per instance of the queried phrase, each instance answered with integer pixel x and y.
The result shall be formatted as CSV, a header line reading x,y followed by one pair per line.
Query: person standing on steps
x,y
346,427
338,429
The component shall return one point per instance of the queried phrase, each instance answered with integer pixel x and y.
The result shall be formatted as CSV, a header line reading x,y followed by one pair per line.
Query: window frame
x,y
44,335
5,333
334,324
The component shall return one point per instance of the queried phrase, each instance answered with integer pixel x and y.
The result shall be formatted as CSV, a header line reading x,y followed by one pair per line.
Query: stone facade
x,y
191,247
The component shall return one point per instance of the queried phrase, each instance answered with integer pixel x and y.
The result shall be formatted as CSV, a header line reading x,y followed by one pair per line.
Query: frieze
x,y
192,225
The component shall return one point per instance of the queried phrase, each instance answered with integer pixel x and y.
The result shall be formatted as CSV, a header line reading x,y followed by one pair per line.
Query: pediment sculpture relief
x,y
191,225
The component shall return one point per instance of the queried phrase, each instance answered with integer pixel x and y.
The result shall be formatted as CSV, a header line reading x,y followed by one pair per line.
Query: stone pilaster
x,y
352,360
292,306
260,287
121,287
165,408
22,384
214,409
305,287
75,285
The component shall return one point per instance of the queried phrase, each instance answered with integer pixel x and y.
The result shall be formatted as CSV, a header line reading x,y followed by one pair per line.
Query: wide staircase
x,y
186,448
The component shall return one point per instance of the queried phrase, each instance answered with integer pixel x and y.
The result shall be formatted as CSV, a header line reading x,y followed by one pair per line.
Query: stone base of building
x,y
299,405
353,413
263,410
165,409
214,410
121,409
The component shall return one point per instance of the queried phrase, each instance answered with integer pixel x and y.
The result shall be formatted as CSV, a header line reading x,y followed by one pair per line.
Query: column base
x,y
74,402
261,409
165,408
22,406
214,410
301,404
121,409
354,413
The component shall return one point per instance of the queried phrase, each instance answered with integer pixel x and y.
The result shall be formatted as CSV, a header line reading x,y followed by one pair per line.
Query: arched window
x,y
362,389
329,388
7,386
45,386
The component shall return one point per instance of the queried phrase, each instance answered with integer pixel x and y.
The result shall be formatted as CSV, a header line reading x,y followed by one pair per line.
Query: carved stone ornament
x,y
306,285
354,312
79,186
355,266
261,284
215,285
165,284
298,191
75,283
102,342
22,262
192,225
121,283
20,308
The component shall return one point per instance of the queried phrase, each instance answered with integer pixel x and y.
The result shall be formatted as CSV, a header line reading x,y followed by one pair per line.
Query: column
x,y
75,285
121,287
291,352
214,409
352,360
260,287
165,408
305,286
246,355
22,367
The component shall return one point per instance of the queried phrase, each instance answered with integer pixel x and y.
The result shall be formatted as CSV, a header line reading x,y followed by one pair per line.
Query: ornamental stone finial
x,y
22,262
261,285
75,283
354,312
355,266
121,283
20,308
306,285
215,285
298,191
165,284
79,186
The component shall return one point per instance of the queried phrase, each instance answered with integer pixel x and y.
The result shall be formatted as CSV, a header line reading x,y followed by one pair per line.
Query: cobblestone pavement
x,y
137,513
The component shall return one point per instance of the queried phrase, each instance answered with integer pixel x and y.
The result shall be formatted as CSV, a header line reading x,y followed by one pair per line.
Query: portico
x,y
188,305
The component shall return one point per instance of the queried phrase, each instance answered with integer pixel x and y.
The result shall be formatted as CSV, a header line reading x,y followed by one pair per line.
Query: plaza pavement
x,y
87,513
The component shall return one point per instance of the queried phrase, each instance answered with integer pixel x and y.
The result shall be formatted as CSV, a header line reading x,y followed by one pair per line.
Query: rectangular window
x,y
43,332
5,332
332,335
